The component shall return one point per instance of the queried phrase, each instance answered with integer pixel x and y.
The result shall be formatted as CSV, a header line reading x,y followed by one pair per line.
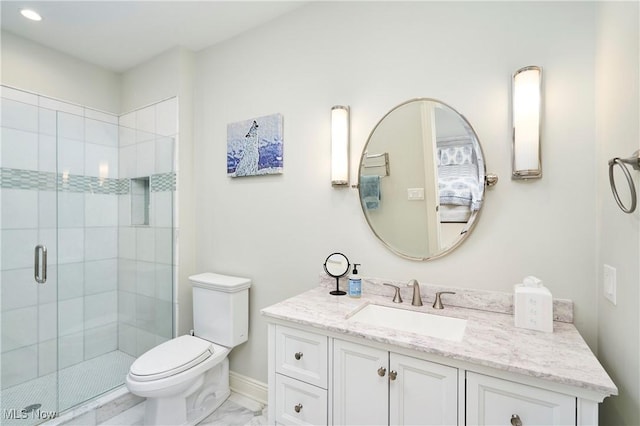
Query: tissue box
x,y
533,308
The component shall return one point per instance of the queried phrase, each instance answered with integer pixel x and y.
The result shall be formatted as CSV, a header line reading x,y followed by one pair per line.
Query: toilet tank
x,y
221,308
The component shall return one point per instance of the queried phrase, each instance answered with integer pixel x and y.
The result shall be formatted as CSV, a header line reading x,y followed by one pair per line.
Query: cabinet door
x,y
360,384
422,392
492,401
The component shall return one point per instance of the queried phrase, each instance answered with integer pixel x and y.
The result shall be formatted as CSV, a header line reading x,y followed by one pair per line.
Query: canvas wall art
x,y
254,147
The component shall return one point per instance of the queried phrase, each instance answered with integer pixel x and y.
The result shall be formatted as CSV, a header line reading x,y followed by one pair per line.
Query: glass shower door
x,y
29,293
88,361
115,250
99,197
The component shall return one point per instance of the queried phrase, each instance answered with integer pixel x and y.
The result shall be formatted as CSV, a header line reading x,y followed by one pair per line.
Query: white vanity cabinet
x,y
492,401
301,368
321,380
318,379
326,369
372,386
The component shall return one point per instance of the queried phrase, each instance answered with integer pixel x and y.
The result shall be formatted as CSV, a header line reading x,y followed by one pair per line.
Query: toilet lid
x,y
171,357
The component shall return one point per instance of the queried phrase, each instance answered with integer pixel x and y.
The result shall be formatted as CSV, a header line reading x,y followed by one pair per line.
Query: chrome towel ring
x,y
634,161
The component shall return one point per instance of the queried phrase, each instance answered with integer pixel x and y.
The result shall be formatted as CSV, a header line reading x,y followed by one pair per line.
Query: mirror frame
x,y
473,219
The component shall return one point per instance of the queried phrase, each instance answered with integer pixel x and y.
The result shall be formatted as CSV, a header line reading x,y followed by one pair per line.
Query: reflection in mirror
x,y
421,179
337,266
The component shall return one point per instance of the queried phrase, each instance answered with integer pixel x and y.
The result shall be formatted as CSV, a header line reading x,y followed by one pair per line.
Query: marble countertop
x,y
490,338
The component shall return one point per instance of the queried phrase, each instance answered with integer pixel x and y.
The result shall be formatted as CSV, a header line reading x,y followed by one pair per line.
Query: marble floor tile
x,y
134,416
230,413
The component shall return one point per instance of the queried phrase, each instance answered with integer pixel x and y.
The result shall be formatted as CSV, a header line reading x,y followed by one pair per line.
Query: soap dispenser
x,y
355,282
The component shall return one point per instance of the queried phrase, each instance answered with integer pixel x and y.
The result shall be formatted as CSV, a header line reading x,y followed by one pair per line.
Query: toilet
x,y
187,378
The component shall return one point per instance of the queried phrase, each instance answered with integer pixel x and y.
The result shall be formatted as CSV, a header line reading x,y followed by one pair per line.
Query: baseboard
x,y
248,387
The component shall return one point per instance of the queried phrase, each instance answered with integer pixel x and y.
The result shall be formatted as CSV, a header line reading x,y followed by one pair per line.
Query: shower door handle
x,y
40,276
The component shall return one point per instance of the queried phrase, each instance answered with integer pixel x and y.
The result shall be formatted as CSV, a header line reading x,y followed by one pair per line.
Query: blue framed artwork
x,y
254,147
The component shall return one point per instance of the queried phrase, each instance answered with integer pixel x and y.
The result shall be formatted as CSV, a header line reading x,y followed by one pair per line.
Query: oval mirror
x,y
422,179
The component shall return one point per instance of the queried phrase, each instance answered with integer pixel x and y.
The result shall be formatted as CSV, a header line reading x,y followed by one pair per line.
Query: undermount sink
x,y
441,327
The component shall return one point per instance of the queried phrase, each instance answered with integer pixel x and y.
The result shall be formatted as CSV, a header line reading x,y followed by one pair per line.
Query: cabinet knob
x,y
393,375
298,355
515,420
298,407
382,371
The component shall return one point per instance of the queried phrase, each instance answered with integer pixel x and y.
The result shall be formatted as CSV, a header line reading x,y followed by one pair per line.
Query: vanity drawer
x,y
496,401
302,355
298,403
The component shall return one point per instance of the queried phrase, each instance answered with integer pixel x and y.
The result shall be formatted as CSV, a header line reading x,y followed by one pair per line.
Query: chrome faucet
x,y
417,300
437,304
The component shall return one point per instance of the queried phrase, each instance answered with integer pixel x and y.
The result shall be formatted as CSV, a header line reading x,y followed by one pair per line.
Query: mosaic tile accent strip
x,y
89,184
162,182
48,181
27,179
124,186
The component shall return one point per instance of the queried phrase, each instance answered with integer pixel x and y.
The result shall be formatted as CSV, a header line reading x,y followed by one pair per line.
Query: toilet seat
x,y
171,357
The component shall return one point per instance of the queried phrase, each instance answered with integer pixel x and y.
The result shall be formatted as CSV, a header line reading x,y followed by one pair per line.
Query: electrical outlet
x,y
609,283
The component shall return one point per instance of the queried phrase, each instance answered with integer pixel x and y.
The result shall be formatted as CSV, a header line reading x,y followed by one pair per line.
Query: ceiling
x,y
118,35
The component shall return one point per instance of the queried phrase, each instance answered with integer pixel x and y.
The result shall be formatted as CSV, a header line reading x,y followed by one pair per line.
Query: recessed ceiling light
x,y
31,14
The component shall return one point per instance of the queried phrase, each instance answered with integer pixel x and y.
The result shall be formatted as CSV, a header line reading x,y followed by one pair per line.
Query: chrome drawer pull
x,y
298,407
393,374
382,371
298,355
515,420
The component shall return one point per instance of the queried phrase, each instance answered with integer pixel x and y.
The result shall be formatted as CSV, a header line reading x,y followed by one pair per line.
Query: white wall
x,y
38,69
372,56
159,78
618,135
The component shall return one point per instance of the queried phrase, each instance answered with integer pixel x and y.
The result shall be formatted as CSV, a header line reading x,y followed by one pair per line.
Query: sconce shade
x,y
340,145
526,116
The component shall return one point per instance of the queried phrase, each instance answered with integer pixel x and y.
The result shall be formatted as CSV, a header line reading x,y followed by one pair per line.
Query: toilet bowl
x,y
185,379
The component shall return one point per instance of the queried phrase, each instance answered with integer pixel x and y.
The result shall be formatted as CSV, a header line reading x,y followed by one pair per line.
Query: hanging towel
x,y
370,191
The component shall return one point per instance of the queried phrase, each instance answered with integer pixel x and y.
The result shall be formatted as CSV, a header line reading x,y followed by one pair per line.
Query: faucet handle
x,y
437,304
396,295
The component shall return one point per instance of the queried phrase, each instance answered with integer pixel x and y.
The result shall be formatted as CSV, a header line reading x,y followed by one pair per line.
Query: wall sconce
x,y
340,145
526,114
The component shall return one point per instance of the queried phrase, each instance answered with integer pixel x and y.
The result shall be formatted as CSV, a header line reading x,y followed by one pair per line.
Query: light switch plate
x,y
609,283
415,194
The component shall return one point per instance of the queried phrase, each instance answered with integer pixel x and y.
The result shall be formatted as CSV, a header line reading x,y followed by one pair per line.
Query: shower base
x,y
75,385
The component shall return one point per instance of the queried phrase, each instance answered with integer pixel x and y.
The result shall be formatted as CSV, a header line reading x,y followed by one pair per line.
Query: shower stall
x,y
87,248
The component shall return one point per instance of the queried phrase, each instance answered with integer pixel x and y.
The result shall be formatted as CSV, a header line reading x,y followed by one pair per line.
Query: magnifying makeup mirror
x,y
337,266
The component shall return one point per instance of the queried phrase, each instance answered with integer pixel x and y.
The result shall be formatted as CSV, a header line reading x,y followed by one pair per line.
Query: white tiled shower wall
x,y
147,266
114,280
